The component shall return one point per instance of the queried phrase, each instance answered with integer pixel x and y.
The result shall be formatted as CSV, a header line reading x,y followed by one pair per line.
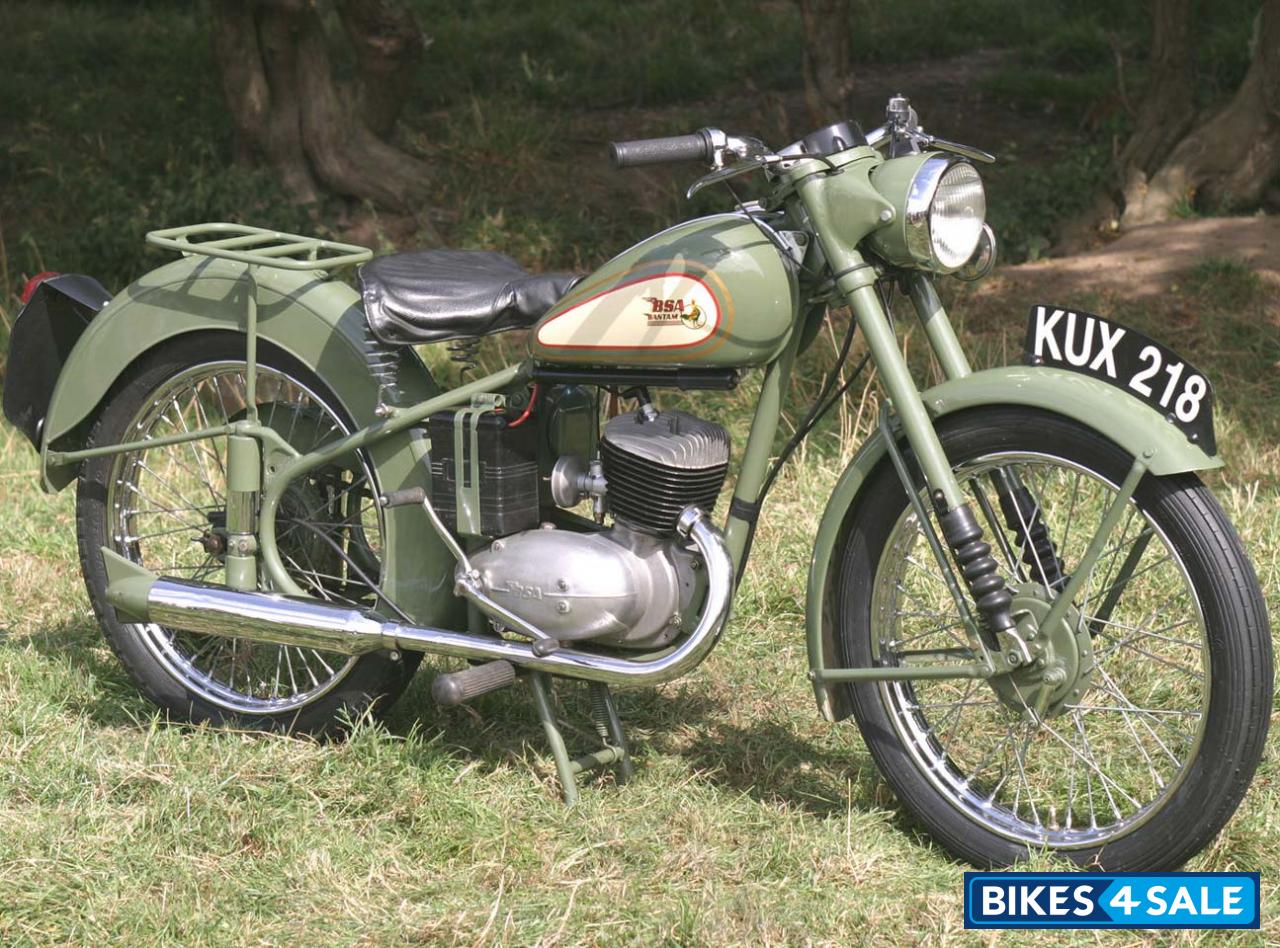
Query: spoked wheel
x,y
1129,734
164,507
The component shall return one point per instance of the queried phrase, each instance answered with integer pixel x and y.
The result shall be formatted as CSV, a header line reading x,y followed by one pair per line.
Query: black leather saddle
x,y
436,295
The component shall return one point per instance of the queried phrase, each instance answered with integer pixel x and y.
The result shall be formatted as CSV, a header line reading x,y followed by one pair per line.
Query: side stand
x,y
604,715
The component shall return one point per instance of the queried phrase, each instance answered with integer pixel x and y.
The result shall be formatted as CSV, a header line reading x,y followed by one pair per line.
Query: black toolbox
x,y
498,471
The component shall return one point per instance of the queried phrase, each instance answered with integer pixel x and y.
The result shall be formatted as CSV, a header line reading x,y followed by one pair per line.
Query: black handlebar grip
x,y
657,151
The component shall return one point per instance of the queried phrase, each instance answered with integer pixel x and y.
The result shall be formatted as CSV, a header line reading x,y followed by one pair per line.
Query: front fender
x,y
317,321
1140,430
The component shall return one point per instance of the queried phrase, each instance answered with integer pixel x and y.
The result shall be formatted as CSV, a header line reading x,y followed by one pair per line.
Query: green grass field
x,y
750,821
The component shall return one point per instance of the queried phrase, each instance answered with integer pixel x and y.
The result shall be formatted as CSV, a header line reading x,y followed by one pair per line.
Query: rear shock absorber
x,y
462,352
979,568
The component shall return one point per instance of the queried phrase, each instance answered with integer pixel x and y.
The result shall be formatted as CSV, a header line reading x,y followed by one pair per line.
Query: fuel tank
x,y
709,292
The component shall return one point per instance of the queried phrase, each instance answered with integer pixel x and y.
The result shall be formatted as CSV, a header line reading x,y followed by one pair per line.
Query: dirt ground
x,y
1148,278
1147,262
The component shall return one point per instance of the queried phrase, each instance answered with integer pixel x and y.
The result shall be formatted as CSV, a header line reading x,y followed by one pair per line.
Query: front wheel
x,y
1133,736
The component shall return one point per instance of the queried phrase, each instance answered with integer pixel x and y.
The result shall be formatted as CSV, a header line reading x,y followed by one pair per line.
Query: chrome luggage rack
x,y
258,246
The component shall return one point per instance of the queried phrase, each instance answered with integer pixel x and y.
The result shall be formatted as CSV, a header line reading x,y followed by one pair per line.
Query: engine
x,y
657,463
634,584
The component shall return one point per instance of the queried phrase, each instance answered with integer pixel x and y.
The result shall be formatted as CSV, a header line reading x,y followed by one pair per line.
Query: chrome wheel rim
x,y
1114,755
164,505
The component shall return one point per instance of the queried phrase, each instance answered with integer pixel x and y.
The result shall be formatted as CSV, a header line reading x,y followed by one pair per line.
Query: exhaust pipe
x,y
310,623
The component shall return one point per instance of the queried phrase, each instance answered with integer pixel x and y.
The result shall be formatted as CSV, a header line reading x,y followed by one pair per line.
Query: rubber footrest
x,y
461,686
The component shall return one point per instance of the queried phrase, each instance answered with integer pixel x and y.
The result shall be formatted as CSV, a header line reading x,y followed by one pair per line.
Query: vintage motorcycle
x,y
1044,625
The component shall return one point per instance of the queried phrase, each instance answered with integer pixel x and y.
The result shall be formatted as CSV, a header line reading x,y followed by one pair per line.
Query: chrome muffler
x,y
311,623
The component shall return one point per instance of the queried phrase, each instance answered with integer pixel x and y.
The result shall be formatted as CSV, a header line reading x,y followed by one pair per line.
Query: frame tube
x,y
901,673
199,434
755,459
251,347
397,421
1096,546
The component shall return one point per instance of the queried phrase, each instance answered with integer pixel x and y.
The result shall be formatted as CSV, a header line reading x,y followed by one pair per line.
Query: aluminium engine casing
x,y
619,587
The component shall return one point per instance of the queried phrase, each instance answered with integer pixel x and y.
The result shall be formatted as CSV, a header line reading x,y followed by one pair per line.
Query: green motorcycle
x,y
1042,622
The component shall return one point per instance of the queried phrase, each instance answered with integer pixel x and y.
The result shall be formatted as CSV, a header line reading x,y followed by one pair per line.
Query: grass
x,y
750,820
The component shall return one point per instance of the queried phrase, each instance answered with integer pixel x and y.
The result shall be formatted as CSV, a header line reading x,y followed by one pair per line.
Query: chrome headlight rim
x,y
924,186
917,212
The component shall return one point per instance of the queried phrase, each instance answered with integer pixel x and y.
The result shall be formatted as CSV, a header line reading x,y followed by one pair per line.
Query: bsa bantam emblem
x,y
666,312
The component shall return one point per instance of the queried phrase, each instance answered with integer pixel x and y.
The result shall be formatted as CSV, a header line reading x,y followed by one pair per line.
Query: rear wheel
x,y
1133,740
165,508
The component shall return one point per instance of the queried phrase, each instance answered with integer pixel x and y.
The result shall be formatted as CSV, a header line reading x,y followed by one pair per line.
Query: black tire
x,y
1234,630
373,681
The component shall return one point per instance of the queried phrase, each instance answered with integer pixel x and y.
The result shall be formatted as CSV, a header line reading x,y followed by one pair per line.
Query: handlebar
x,y
656,151
900,135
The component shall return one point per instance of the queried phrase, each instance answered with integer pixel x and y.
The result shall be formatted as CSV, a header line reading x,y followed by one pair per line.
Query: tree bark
x,y
289,111
1228,161
828,73
264,109
1168,104
389,46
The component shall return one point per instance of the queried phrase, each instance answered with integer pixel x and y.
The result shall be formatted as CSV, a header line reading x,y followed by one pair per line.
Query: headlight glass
x,y
956,215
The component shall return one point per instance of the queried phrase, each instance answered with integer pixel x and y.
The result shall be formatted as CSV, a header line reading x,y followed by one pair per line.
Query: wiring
x,y
528,409
828,396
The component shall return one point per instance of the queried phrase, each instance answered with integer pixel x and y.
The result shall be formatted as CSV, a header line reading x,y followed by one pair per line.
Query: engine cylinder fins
x,y
656,465
651,496
672,439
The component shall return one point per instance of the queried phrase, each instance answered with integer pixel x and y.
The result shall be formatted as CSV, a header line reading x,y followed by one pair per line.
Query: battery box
x,y
485,468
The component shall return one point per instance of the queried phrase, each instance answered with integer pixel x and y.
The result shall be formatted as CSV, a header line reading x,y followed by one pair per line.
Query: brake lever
x,y
967,151
904,125
725,172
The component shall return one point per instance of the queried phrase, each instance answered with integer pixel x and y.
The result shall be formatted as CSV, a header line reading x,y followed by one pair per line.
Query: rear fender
x,y
321,324
1138,429
46,331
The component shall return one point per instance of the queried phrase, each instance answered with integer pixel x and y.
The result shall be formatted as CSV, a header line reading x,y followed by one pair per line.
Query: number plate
x,y
1127,359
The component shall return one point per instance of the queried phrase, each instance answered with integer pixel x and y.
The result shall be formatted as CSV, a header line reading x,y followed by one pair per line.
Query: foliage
x,y
112,120
1229,281
1026,198
602,54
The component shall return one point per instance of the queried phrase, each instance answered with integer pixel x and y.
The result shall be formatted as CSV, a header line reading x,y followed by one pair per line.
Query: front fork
x,y
960,527
1037,554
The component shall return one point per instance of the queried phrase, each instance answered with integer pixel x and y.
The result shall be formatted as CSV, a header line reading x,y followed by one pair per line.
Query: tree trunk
x,y
1168,105
1228,161
261,96
290,113
388,46
828,75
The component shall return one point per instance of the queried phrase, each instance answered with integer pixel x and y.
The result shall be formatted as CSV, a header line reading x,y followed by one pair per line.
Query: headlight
x,y
955,215
941,206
